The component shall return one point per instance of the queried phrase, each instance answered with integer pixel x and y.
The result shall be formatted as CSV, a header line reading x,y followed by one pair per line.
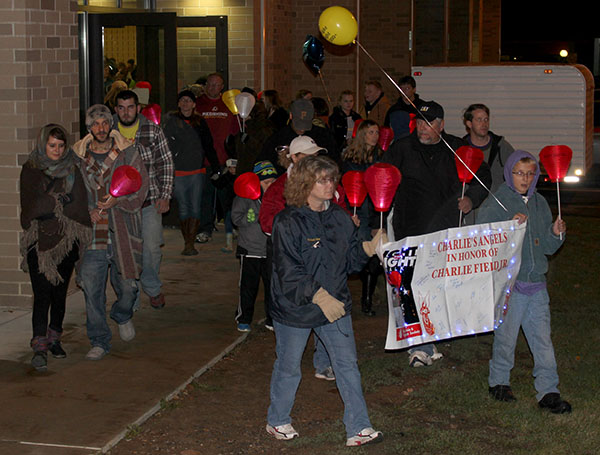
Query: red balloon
x,y
394,278
381,180
356,123
412,124
472,157
556,160
386,135
125,180
247,185
144,84
354,186
152,112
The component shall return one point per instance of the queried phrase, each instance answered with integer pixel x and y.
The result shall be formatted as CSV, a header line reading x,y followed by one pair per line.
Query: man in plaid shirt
x,y
154,150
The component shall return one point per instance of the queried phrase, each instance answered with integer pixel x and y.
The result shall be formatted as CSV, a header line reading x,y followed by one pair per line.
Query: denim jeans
x,y
188,192
92,279
533,314
338,338
320,356
152,233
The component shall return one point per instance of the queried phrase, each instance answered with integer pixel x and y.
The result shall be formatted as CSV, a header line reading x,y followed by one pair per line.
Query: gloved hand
x,y
251,216
370,246
331,307
65,199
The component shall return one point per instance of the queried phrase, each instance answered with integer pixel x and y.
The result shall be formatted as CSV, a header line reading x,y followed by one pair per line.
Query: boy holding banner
x,y
528,306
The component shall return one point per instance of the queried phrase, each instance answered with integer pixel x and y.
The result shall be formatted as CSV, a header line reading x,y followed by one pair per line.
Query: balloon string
x,y
380,220
460,211
107,200
559,214
428,123
354,210
238,119
325,88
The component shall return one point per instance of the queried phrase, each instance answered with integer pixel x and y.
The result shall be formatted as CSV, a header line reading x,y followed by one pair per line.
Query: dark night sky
x,y
535,31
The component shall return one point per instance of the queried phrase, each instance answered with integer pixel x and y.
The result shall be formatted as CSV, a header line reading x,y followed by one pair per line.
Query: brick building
x,y
40,56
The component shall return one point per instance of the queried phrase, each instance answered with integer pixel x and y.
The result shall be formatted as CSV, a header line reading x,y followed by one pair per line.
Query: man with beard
x,y
429,197
116,232
152,146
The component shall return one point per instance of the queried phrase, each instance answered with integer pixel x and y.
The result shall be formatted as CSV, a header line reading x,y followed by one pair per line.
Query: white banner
x,y
450,283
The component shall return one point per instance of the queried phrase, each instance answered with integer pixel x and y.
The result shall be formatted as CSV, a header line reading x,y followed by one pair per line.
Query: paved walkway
x,y
82,407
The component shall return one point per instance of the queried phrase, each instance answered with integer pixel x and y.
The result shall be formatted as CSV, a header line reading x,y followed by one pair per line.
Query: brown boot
x,y
189,232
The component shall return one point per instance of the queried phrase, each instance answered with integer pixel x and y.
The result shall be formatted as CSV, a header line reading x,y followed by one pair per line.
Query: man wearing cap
x,y
191,143
154,150
116,235
428,198
301,114
273,203
222,124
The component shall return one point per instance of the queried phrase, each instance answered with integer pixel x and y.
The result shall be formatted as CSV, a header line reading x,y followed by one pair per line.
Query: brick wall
x,y
240,17
39,85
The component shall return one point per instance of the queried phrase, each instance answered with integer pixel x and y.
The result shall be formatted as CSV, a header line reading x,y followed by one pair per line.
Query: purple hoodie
x,y
521,286
511,161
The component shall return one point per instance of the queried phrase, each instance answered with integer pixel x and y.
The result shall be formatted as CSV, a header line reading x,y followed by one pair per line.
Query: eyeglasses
x,y
524,174
325,180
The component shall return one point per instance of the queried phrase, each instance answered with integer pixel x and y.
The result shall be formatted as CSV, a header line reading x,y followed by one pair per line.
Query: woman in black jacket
x,y
190,142
56,229
315,247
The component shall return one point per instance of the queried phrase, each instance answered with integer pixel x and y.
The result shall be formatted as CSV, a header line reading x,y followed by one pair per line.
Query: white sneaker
x,y
366,436
326,374
96,353
127,331
419,359
284,432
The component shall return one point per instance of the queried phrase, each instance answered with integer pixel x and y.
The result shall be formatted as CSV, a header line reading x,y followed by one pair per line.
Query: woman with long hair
x,y
361,153
315,247
56,229
275,110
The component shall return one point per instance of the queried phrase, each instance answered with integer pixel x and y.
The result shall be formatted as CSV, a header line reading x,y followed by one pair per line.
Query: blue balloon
x,y
313,54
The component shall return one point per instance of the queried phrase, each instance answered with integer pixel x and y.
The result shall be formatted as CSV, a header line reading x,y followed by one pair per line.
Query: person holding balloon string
x,y
56,230
252,241
529,304
315,248
361,153
429,195
116,244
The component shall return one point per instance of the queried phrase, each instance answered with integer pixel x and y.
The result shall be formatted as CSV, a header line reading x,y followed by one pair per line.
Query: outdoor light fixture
x,y
563,53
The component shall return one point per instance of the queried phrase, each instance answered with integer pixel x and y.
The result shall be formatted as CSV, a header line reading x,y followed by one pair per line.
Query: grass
x,y
445,409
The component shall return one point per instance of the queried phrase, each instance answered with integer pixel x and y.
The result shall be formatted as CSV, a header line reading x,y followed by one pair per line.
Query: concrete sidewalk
x,y
83,407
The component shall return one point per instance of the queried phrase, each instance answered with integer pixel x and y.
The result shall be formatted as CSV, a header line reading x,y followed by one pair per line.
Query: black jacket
x,y
312,250
427,198
338,122
190,143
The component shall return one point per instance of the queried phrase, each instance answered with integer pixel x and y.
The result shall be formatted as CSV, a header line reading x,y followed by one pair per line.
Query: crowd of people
x,y
299,236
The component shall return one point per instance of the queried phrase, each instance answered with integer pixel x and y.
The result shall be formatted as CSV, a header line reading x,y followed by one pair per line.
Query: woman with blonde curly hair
x,y
362,152
315,248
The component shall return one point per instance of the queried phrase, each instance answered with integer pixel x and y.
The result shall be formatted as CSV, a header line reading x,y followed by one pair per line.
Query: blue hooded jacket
x,y
539,240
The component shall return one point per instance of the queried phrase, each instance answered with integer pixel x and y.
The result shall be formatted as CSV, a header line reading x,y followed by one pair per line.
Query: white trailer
x,y
531,105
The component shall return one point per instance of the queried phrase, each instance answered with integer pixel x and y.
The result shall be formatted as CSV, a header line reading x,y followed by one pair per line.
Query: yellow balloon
x,y
228,98
338,25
